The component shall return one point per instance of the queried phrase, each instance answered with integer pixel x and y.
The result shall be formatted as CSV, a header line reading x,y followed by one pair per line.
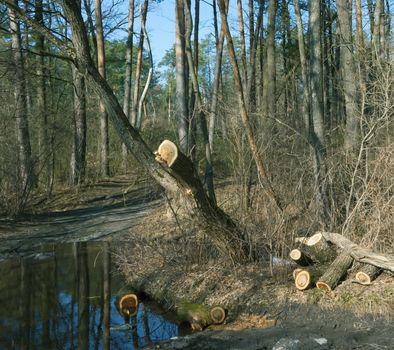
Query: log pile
x,y
325,259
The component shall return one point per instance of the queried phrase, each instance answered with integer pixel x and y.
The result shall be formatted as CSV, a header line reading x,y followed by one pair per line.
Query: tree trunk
x,y
198,105
316,120
127,81
269,107
138,68
181,78
104,142
376,49
348,69
335,272
242,42
21,118
224,232
42,97
243,110
78,163
216,83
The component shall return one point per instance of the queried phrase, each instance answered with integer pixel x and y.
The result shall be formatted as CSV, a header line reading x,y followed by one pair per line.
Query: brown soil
x,y
171,262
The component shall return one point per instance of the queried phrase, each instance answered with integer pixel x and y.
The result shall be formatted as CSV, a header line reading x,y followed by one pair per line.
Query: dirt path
x,y
105,211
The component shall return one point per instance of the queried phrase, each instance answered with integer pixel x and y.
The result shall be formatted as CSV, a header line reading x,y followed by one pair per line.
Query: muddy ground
x,y
264,309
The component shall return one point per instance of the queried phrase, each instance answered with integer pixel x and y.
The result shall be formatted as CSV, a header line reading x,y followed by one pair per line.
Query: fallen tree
x,y
320,250
226,235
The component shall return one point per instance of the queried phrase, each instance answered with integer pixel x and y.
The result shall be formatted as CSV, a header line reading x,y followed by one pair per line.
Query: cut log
x,y
295,272
335,272
367,274
301,258
217,314
199,316
127,305
317,248
360,254
306,279
167,153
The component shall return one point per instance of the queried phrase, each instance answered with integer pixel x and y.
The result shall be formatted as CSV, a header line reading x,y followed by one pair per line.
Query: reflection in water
x,y
64,298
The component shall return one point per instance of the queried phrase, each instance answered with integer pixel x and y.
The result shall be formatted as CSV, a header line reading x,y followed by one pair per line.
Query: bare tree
x,y
78,159
316,120
269,106
181,77
104,142
348,69
128,73
138,66
243,109
21,118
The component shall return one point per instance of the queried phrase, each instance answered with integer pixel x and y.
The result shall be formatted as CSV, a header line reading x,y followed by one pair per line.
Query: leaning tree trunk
x,y
223,230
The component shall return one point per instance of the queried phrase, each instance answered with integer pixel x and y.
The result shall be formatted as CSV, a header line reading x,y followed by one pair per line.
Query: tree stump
x,y
335,272
367,274
127,305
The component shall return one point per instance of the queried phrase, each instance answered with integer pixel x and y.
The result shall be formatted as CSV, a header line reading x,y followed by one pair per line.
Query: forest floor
x,y
265,311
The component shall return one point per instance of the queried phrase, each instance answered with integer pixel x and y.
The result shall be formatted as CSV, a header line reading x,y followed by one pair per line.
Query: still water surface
x,y
63,297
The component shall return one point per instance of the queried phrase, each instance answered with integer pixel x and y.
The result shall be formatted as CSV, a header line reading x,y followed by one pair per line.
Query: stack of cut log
x,y
325,259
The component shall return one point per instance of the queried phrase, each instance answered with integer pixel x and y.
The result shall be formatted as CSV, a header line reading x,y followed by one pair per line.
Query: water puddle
x,y
63,297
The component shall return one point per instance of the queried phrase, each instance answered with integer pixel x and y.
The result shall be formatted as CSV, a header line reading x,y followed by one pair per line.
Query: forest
x,y
288,103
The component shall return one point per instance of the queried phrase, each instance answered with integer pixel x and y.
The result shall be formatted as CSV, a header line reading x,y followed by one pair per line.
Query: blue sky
x,y
161,24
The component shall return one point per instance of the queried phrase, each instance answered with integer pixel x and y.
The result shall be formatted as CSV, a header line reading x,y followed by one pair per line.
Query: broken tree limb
x,y
200,316
360,254
301,258
305,279
335,272
367,274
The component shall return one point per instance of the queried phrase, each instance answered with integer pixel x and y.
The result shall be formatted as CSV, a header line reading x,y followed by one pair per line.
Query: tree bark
x,y
216,84
181,79
128,73
138,68
316,120
348,69
198,105
42,98
21,118
104,141
242,42
335,272
269,107
78,163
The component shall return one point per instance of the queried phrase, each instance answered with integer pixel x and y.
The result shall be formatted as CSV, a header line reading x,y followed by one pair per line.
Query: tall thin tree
x,y
104,141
